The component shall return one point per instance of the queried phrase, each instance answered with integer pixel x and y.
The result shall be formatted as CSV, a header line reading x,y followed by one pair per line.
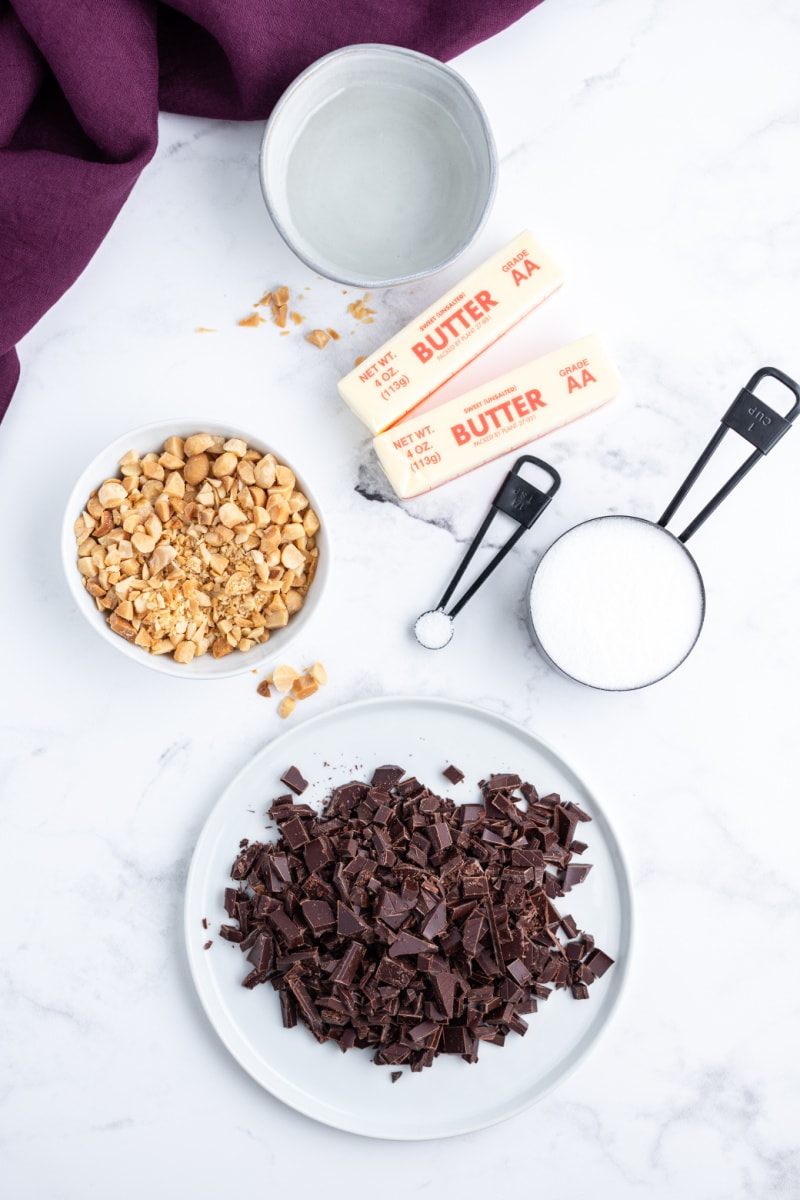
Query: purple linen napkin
x,y
82,81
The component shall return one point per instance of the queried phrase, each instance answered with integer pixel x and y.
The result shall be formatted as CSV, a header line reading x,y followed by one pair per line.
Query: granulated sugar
x,y
617,603
434,629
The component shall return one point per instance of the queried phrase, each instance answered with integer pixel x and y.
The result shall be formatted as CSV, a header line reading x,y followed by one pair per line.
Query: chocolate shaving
x,y
400,922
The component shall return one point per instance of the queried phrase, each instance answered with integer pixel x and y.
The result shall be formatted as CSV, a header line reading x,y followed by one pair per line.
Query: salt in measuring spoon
x,y
618,602
518,499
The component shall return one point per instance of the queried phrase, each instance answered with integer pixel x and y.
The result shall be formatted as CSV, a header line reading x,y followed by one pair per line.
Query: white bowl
x,y
105,465
378,165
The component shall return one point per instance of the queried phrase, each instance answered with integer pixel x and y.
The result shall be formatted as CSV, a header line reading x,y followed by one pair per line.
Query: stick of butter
x,y
451,333
491,420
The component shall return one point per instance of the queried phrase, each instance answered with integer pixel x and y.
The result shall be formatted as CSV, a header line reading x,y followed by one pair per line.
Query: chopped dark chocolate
x,y
294,780
574,874
319,915
386,777
599,962
398,921
348,923
230,934
395,1075
569,926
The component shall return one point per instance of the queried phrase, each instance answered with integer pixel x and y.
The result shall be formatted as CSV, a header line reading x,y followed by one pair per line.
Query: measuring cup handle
x,y
753,420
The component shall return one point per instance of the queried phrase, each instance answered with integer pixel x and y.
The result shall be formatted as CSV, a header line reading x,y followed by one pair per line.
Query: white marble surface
x,y
654,149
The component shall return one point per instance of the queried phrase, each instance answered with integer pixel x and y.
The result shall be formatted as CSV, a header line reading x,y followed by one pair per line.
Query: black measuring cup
x,y
517,498
618,602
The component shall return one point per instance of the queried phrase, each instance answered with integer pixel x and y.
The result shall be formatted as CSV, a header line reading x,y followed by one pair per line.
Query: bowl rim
x,y
486,129
164,663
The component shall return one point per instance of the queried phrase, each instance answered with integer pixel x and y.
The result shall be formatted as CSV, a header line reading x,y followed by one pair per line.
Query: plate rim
x,y
621,971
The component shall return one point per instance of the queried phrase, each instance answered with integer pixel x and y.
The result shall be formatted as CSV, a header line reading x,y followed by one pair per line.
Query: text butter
x,y
500,416
450,334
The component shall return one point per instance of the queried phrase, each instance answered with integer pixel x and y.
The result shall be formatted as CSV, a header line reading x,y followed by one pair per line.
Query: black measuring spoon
x,y
518,499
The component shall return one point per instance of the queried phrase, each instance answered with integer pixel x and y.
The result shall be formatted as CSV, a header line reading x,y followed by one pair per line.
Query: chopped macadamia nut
x,y
199,548
225,464
171,461
319,673
198,443
112,494
196,469
292,558
287,707
265,470
283,677
304,686
231,515
184,652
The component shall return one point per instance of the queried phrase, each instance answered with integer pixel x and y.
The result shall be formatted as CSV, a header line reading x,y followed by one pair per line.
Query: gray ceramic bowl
x,y
378,166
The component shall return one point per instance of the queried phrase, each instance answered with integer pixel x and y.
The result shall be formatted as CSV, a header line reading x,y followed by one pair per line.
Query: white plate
x,y
347,1090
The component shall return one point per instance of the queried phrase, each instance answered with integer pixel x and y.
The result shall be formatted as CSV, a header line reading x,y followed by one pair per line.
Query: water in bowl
x,y
381,182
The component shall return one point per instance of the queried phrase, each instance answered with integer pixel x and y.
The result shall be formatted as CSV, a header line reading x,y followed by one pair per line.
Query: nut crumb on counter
x,y
359,310
294,685
277,301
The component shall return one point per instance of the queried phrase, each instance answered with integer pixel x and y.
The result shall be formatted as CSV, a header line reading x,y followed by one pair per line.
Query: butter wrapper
x,y
504,415
451,333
